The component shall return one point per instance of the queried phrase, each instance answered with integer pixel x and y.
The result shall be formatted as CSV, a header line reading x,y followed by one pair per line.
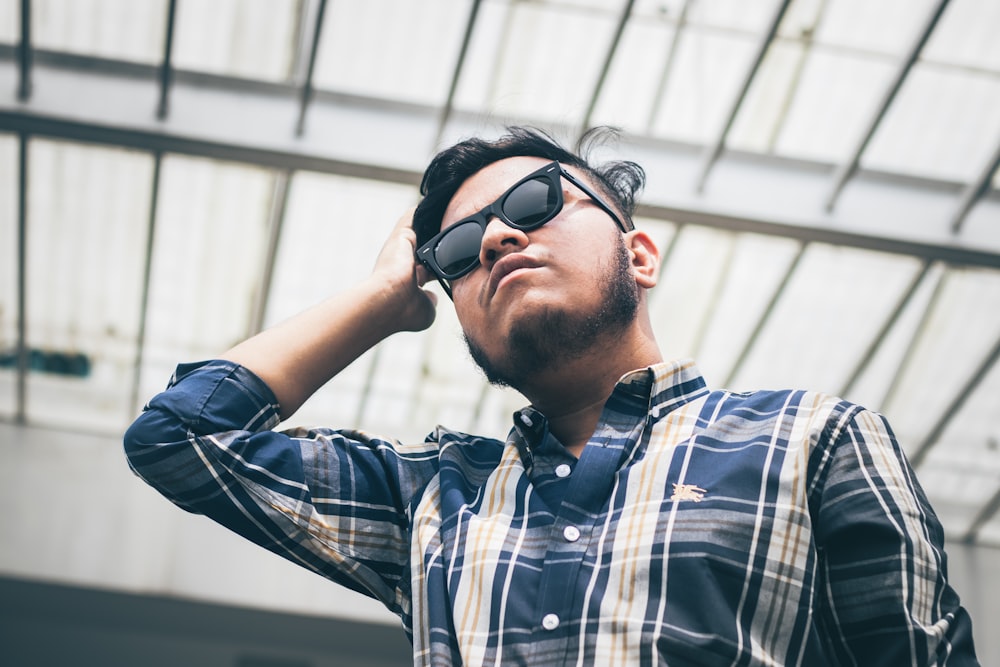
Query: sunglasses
x,y
527,205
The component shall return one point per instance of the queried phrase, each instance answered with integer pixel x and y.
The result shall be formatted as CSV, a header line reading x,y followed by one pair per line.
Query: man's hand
x,y
298,356
404,277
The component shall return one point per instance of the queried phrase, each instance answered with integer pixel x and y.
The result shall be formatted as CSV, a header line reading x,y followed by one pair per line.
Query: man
x,y
632,516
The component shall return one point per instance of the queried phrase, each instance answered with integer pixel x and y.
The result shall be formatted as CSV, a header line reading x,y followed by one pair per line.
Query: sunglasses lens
x,y
527,206
459,248
531,203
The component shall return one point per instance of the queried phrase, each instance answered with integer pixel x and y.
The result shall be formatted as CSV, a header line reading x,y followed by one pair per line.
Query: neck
x,y
572,396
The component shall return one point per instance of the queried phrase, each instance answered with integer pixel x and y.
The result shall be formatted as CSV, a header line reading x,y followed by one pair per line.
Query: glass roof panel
x,y
535,60
211,231
965,316
9,183
834,304
254,39
834,99
10,21
886,27
88,209
967,35
639,69
708,68
122,29
410,58
962,472
943,124
334,228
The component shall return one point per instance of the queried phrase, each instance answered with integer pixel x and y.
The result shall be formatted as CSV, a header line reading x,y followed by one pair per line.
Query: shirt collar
x,y
654,391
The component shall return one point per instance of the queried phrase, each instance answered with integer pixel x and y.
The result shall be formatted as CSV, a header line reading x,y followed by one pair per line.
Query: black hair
x,y
620,181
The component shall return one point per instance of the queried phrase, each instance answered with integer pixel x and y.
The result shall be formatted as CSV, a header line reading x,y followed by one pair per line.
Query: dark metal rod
x,y
24,53
276,222
147,272
449,102
606,65
956,405
919,331
887,326
847,169
715,150
766,315
305,95
20,407
975,191
166,68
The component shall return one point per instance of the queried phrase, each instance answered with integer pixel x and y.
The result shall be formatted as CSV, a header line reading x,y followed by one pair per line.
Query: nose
x,y
500,239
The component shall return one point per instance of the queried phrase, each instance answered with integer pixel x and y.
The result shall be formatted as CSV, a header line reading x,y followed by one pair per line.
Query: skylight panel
x,y
120,29
88,212
208,259
535,61
943,124
394,49
253,39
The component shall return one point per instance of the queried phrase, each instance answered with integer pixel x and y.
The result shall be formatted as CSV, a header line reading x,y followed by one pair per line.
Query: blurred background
x,y
176,175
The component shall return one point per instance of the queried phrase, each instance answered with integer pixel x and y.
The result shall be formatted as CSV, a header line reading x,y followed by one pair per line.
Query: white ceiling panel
x,y
967,36
122,29
394,49
944,124
10,21
211,231
535,60
254,39
87,208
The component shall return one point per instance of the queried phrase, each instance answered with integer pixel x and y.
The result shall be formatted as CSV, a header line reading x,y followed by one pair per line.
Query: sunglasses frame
x,y
552,171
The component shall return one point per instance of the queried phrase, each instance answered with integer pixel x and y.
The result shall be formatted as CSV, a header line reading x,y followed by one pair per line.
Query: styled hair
x,y
619,181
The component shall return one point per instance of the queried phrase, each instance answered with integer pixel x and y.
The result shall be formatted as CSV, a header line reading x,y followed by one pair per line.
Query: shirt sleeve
x,y
335,502
882,558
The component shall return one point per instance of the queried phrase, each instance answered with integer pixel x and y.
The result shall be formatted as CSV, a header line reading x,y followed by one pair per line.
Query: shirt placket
x,y
575,527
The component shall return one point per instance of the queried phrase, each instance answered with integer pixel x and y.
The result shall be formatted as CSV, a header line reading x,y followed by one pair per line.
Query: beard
x,y
544,342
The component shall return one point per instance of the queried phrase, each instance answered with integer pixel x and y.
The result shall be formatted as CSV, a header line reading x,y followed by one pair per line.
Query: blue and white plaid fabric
x,y
697,528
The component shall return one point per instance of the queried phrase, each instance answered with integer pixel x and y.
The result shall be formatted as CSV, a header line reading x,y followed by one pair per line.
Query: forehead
x,y
484,186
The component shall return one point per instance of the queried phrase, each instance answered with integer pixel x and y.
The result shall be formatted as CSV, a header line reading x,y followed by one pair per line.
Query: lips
x,y
507,265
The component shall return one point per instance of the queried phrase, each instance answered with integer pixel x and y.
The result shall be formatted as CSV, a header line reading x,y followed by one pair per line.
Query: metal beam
x,y
456,75
166,67
606,65
955,406
275,225
20,405
975,191
224,118
306,91
24,53
887,326
147,273
847,169
715,148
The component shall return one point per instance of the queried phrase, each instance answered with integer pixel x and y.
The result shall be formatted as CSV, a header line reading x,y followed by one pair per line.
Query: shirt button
x,y
550,622
571,533
563,470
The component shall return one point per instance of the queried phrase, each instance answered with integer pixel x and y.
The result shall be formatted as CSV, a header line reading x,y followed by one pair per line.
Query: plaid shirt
x,y
697,528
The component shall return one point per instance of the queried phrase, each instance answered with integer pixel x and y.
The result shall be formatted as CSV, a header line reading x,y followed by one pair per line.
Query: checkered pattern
x,y
697,528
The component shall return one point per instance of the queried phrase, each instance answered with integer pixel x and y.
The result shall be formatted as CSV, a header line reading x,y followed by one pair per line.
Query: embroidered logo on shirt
x,y
688,492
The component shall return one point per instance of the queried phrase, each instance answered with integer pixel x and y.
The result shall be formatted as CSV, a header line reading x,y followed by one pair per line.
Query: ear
x,y
645,258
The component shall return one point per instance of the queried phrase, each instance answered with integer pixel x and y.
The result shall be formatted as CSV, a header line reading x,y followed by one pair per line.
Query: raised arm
x,y
296,357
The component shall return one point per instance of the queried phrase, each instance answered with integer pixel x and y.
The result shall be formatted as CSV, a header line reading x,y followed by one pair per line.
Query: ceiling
x,y
822,183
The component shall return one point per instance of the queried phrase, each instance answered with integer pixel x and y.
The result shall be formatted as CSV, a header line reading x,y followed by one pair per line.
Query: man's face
x,y
541,295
